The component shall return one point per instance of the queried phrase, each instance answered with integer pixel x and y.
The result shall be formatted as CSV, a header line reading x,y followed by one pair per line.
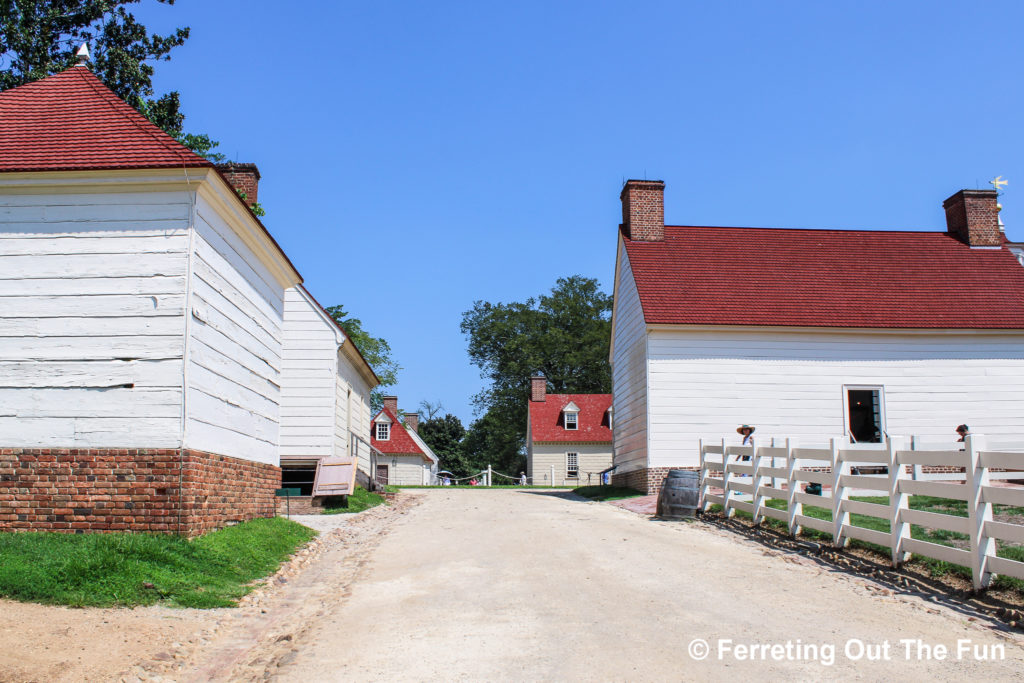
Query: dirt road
x,y
520,585
500,585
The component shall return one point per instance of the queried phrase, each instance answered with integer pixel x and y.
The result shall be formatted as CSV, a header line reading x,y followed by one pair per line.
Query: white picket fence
x,y
780,472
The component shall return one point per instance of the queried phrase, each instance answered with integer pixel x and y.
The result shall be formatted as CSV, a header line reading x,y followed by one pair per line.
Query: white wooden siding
x,y
706,383
92,307
629,371
308,380
353,396
234,393
593,459
406,470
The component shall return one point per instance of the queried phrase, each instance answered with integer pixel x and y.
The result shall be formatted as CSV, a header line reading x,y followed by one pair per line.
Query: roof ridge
x,y
889,231
105,93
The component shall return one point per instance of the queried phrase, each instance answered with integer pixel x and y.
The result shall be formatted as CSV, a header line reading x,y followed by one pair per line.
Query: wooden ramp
x,y
335,477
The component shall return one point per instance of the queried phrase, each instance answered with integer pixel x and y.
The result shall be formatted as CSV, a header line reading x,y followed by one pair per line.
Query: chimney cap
x,y
956,196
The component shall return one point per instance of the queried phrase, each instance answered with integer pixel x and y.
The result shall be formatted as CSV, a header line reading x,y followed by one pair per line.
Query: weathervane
x,y
998,183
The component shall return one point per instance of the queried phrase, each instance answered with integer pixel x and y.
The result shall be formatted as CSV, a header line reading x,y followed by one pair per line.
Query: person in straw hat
x,y
747,431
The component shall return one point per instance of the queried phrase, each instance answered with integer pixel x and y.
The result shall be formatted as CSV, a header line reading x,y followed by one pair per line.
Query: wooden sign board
x,y
335,477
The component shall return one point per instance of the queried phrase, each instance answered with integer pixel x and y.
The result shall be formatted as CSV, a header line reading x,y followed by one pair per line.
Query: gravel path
x,y
499,585
324,523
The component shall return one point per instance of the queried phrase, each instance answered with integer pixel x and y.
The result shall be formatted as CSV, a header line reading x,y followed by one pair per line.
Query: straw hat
x,y
739,430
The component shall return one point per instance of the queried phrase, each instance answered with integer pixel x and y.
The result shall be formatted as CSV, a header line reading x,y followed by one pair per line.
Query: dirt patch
x,y
45,643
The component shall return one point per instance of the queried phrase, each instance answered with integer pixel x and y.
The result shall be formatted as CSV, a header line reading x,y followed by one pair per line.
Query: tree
x,y
444,436
564,335
496,440
40,37
375,350
430,409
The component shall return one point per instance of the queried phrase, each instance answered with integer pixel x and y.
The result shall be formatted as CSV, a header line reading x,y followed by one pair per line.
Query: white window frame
x,y
386,431
847,388
575,420
572,465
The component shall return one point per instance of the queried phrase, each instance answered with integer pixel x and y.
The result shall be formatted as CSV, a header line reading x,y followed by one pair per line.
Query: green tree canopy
x,y
375,350
564,335
444,436
40,37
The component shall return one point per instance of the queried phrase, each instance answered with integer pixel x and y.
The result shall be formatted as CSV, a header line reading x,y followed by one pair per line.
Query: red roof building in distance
x,y
856,335
568,436
405,459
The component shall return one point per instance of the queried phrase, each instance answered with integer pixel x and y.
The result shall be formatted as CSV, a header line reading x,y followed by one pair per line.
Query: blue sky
x,y
417,157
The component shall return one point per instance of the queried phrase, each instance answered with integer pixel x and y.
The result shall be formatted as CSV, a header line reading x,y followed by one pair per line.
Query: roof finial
x,y
998,183
83,54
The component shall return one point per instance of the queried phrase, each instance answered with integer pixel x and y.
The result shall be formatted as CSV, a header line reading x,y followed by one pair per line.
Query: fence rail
x,y
748,476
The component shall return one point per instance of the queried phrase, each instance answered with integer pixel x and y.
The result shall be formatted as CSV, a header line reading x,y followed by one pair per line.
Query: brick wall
x,y
646,480
972,216
158,490
245,178
643,210
299,505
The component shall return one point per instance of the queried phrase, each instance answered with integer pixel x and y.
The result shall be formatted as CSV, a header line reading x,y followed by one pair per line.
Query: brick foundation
x,y
158,490
300,505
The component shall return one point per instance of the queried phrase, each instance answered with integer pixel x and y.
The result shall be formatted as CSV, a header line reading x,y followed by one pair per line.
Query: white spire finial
x,y
83,53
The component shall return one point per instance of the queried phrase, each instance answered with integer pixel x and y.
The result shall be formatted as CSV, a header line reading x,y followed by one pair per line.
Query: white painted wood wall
x,y
96,348
234,347
92,299
323,398
629,370
592,459
709,382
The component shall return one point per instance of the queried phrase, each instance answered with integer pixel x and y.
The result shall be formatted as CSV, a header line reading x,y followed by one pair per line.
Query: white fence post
x,y
758,481
898,502
489,482
727,491
979,512
915,468
840,517
552,475
702,489
793,507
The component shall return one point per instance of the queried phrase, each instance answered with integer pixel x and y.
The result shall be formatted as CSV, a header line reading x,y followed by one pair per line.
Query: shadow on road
x,y
1001,610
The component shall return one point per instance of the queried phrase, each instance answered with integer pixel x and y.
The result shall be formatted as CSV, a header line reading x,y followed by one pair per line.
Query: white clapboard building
x,y
810,333
141,314
325,394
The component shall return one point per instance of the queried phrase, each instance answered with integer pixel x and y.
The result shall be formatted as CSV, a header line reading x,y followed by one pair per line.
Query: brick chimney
x,y
538,388
643,210
391,403
972,216
412,421
243,177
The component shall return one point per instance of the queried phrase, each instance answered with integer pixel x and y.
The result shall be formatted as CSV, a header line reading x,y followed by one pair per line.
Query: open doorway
x,y
864,414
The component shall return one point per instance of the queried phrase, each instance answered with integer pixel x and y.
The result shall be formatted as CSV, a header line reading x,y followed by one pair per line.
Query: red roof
x,y
546,422
400,442
825,278
71,121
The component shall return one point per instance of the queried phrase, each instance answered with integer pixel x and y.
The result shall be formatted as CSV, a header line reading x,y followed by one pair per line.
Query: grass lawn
x,y
956,508
606,492
127,569
360,500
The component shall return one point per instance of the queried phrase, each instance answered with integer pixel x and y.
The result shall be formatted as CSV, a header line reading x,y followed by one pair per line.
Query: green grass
x,y
107,570
956,508
606,492
360,500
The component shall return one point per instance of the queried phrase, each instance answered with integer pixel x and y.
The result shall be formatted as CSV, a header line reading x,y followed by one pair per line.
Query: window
x,y
571,420
864,414
383,431
572,465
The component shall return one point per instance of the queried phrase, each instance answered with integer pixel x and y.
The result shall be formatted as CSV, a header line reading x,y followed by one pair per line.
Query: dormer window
x,y
383,431
571,416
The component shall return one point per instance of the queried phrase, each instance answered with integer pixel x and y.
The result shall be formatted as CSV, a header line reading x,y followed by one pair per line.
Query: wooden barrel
x,y
679,494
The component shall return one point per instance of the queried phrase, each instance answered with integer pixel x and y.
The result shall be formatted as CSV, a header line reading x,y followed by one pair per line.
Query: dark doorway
x,y
300,478
865,415
382,475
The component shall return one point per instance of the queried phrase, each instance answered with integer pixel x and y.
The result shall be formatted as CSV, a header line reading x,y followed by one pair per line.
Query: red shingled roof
x,y
825,278
546,418
71,121
400,442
